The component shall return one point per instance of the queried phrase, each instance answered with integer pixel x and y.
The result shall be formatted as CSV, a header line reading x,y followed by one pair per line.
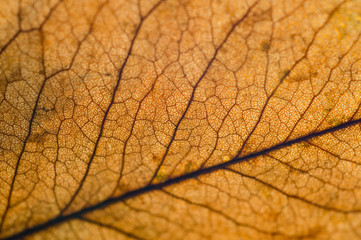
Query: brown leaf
x,y
176,119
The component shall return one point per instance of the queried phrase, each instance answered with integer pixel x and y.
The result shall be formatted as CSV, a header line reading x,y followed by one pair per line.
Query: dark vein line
x,y
21,154
293,195
120,74
307,172
352,79
133,127
196,85
110,227
172,181
148,188
9,42
224,118
162,217
19,31
246,225
31,118
287,74
323,87
229,218
34,111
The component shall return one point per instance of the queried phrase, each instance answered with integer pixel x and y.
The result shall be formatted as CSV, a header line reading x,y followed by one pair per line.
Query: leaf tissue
x,y
180,119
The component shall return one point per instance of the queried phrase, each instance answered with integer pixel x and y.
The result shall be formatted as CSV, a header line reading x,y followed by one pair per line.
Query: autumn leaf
x,y
180,119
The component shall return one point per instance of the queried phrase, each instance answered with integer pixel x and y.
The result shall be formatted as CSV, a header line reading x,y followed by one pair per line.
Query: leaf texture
x,y
180,119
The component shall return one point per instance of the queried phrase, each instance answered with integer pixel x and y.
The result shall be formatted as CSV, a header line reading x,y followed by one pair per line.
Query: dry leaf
x,y
180,119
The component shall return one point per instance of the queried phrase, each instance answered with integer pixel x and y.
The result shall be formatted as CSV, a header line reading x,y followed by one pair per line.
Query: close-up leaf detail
x,y
180,119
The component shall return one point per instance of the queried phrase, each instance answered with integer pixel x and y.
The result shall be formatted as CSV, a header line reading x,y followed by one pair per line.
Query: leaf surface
x,y
175,119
